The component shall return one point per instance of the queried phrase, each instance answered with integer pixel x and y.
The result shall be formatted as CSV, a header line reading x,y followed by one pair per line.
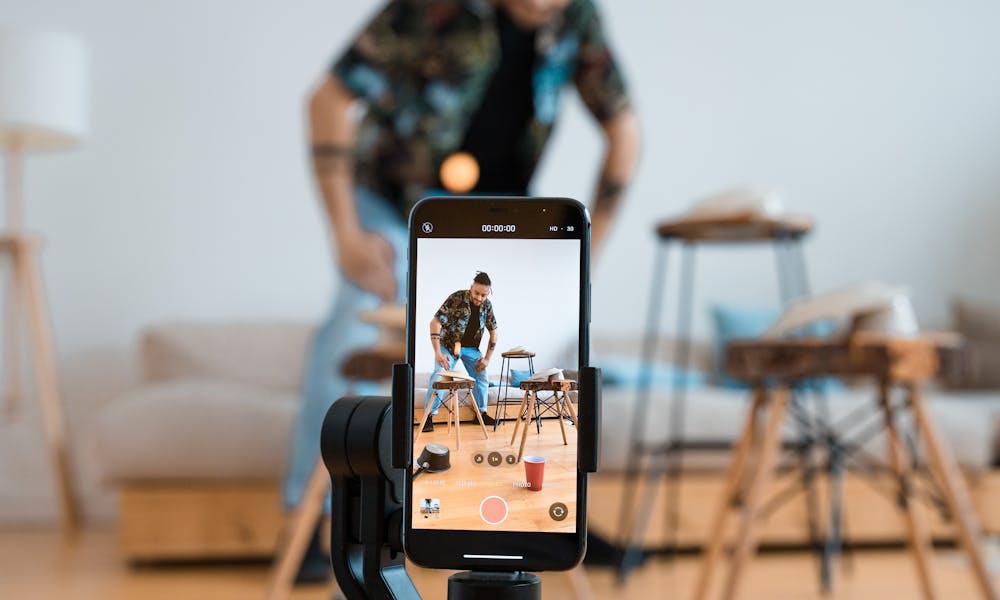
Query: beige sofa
x,y
197,450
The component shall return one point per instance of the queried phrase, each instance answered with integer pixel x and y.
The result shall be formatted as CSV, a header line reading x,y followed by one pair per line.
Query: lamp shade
x,y
44,91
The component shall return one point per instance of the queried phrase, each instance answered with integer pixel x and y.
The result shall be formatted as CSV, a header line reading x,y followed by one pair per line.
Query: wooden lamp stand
x,y
25,303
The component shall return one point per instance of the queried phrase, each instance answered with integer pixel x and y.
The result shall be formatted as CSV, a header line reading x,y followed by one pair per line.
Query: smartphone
x,y
505,492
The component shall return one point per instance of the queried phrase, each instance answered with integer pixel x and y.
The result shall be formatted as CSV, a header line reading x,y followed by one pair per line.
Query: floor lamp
x,y
43,106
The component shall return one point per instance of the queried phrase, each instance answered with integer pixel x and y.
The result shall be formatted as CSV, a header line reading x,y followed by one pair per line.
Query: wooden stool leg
x,y
559,415
479,415
451,410
427,414
532,403
13,388
579,583
458,420
46,380
920,541
735,474
517,420
746,541
570,409
955,493
298,533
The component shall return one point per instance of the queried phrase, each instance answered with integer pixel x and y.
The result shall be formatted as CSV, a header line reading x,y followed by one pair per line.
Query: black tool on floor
x,y
435,458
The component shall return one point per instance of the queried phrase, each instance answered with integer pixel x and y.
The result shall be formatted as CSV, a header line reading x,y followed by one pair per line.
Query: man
x,y
438,77
456,333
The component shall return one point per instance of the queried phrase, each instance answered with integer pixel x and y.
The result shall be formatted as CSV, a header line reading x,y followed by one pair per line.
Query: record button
x,y
493,510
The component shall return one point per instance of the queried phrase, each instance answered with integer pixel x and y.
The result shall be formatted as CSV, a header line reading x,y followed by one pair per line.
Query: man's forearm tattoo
x,y
609,193
492,345
331,158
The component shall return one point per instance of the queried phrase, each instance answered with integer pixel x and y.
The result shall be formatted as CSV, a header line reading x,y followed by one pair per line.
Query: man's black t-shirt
x,y
469,337
501,122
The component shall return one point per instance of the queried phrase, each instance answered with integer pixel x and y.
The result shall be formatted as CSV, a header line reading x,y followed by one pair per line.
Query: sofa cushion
x,y
271,355
196,429
979,324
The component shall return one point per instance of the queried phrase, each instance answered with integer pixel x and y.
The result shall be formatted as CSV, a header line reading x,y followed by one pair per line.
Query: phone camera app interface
x,y
496,358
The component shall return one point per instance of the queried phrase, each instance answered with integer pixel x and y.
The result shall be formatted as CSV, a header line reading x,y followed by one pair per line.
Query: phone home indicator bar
x,y
497,556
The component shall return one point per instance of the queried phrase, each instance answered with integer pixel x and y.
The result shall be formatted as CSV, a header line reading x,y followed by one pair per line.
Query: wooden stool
x,y
530,403
505,363
644,469
364,365
891,361
454,404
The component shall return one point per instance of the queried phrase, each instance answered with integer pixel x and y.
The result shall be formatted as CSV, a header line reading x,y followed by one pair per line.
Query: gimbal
x,y
367,486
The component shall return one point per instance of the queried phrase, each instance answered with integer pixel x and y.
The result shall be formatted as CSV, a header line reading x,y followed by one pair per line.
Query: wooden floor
x,y
42,564
463,487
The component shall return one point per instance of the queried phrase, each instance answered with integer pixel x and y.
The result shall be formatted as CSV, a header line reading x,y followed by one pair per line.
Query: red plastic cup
x,y
534,472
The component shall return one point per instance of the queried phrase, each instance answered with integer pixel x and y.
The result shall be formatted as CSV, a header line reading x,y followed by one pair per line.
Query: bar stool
x,y
455,401
785,233
560,389
505,380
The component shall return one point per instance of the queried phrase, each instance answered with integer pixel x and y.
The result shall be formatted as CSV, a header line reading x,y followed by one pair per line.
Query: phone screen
x,y
501,453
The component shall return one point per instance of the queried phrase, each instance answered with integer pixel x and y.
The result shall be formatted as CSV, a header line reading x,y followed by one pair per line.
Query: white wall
x,y
192,199
535,295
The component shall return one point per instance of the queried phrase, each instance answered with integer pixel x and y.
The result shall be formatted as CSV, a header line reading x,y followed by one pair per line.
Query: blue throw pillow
x,y
732,323
517,376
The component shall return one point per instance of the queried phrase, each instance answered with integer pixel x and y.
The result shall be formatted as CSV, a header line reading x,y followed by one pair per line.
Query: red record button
x,y
493,510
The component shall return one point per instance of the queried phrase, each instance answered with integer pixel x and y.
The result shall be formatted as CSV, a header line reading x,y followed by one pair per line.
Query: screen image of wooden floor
x,y
452,499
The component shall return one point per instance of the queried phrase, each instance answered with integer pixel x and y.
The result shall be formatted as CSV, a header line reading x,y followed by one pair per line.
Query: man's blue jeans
x,y
469,356
335,339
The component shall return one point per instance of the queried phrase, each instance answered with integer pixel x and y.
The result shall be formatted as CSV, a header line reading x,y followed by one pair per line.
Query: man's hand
x,y
482,364
621,135
367,260
442,360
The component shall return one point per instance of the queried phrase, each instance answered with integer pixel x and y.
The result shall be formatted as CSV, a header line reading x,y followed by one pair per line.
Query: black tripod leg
x,y
807,445
640,410
832,547
678,408
502,392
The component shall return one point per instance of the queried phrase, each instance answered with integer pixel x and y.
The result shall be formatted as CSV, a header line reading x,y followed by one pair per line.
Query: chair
x,y
505,379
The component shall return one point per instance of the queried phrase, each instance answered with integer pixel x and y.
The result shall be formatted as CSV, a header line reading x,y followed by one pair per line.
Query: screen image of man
x,y
456,334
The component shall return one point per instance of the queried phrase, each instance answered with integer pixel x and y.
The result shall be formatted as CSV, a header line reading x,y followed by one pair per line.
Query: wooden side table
x,y
560,389
772,366
454,404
